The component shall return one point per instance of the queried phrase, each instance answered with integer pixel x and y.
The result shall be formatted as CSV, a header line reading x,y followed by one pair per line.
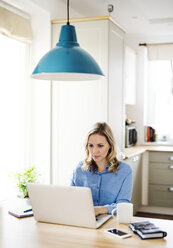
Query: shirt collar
x,y
105,171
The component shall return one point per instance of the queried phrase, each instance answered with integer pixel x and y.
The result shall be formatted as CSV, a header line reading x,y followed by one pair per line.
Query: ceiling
x,y
137,16
144,20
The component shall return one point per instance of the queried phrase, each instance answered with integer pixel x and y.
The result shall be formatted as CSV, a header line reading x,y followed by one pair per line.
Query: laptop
x,y
68,205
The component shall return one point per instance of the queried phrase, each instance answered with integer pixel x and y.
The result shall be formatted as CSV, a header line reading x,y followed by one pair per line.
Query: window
x,y
160,98
25,104
13,110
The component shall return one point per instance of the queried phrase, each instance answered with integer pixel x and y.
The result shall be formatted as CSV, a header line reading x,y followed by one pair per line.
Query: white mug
x,y
124,212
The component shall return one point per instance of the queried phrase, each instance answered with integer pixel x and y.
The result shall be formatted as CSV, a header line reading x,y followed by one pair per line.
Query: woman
x,y
109,179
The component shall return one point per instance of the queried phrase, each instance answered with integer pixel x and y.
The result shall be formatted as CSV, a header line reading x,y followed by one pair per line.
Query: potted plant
x,y
27,175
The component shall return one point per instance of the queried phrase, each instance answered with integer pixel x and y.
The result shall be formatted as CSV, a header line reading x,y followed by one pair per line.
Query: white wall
x,y
40,144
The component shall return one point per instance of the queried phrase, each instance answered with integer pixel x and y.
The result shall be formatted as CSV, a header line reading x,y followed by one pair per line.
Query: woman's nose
x,y
95,150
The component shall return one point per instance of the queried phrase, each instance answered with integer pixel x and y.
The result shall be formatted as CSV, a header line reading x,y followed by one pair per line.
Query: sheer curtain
x,y
13,109
160,98
24,102
15,36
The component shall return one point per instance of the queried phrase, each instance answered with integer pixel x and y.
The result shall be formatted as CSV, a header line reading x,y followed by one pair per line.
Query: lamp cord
x,y
68,23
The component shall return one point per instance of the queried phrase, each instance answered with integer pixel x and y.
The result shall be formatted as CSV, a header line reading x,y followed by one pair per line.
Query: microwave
x,y
130,136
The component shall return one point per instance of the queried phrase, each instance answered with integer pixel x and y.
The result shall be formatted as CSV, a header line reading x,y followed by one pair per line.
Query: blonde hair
x,y
103,129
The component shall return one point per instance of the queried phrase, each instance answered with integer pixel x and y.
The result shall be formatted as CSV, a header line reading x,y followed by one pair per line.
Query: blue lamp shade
x,y
67,61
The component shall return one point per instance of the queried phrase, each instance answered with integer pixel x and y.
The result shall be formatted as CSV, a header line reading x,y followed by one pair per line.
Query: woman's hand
x,y
100,210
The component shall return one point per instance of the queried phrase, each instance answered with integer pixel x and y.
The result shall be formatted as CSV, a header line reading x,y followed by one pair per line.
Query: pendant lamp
x,y
67,61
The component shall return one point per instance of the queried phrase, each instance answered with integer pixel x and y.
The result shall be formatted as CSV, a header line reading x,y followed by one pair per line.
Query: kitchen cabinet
x,y
115,63
130,76
79,105
136,165
105,41
161,179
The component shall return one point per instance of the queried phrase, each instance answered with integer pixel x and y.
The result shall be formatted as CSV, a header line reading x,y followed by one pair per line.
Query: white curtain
x,y
160,51
15,26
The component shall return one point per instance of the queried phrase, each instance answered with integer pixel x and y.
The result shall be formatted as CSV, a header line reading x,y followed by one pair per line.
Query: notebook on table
x,y
147,230
68,205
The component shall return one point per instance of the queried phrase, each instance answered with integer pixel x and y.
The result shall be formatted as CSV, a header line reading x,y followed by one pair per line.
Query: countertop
x,y
136,150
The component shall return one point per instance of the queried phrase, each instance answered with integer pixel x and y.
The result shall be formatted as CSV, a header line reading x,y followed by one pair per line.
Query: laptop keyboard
x,y
100,216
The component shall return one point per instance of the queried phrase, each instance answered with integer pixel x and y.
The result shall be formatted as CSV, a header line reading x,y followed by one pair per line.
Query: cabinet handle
x,y
170,167
136,158
171,158
170,189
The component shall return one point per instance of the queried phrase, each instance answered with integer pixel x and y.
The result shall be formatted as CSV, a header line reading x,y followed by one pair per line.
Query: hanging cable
x,y
68,23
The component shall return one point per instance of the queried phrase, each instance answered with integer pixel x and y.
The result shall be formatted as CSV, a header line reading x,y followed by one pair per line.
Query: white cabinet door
x,y
116,116
136,165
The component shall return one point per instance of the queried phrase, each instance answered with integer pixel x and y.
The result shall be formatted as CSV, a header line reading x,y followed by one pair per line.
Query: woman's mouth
x,y
96,157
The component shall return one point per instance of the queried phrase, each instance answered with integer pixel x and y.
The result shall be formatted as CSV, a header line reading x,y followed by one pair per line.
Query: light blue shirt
x,y
107,188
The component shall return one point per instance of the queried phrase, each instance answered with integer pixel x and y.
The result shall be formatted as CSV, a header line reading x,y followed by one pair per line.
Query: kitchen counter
x,y
136,150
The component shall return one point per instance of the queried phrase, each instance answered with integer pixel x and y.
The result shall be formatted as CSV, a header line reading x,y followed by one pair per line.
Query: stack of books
x,y
150,134
147,230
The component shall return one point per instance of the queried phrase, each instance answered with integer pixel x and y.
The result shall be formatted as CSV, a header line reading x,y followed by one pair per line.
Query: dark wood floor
x,y
153,215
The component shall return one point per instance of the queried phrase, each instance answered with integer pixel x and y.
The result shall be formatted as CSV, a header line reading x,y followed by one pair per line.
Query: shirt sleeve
x,y
77,175
72,183
124,194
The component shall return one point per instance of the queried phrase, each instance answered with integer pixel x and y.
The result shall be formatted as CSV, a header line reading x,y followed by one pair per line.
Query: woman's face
x,y
98,147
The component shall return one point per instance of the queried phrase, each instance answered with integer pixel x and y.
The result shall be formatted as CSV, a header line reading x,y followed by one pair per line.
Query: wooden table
x,y
27,233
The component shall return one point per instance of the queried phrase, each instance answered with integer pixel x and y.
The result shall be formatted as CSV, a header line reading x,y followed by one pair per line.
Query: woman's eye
x,y
100,146
90,145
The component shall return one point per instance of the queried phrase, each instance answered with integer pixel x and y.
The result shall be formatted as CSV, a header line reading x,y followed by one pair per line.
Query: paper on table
x,y
19,213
